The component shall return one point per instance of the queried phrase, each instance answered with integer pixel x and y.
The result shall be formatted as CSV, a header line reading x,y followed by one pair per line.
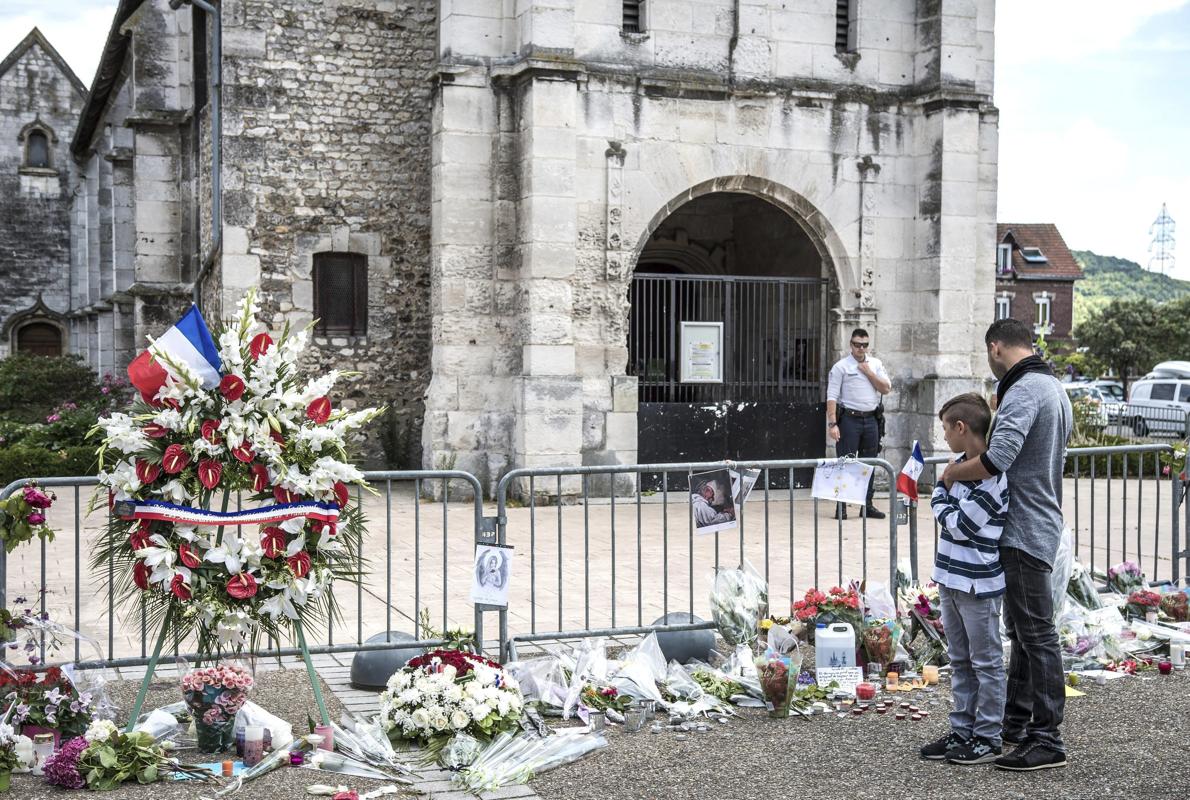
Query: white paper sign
x,y
702,352
492,574
842,481
846,677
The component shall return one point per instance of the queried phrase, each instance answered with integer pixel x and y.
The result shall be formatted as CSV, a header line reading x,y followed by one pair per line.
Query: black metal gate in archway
x,y
771,401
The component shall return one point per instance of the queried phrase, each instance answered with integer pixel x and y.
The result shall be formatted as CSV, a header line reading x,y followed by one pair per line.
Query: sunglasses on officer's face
x,y
860,345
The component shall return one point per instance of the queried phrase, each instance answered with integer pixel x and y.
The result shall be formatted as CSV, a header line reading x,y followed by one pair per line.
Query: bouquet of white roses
x,y
446,692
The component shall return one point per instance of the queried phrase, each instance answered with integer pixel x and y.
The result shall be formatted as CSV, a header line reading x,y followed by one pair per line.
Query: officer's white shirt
x,y
850,387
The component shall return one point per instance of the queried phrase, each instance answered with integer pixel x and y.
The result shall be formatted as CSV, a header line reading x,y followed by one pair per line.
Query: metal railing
x,y
421,533
596,555
652,549
1110,523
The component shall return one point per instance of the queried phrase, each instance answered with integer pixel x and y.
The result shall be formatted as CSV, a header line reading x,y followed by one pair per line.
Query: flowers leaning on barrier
x,y
23,516
47,701
248,423
446,692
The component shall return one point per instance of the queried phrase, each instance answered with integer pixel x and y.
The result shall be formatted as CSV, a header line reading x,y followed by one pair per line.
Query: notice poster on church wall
x,y
702,352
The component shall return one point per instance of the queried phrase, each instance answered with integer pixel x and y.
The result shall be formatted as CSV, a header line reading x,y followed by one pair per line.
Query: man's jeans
x,y
972,626
1036,686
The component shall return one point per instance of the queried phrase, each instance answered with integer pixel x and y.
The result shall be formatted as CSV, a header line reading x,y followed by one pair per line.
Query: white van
x,y
1159,403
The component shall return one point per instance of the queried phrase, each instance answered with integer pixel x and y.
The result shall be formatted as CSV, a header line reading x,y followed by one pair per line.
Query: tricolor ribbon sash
x,y
185,515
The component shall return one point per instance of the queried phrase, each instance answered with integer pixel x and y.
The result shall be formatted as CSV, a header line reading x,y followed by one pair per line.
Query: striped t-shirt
x,y
971,517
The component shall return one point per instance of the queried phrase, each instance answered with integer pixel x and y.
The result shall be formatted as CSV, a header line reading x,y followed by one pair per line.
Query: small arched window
x,y
37,150
39,339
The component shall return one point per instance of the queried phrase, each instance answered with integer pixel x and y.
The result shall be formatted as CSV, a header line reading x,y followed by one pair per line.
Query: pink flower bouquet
x,y
214,695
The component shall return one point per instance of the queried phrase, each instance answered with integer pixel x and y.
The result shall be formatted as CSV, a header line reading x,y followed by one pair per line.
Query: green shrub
x,y
32,387
22,461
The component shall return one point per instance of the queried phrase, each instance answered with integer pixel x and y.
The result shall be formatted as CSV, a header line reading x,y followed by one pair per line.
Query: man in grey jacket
x,y
1028,441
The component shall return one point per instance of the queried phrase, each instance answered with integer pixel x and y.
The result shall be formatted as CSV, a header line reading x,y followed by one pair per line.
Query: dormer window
x,y
1033,255
1003,259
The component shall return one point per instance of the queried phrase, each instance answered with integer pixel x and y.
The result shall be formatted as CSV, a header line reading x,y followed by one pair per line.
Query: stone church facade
x,y
487,205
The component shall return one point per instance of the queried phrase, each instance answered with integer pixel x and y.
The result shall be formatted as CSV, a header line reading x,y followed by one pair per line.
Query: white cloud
x,y
1029,31
77,30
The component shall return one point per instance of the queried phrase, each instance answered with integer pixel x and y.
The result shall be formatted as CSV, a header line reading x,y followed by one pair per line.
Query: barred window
x,y
341,293
633,21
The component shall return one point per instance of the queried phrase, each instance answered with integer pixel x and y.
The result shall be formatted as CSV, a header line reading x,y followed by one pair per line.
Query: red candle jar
x,y
865,691
1164,667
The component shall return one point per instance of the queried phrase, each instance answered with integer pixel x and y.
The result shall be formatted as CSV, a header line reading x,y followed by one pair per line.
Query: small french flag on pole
x,y
907,480
188,342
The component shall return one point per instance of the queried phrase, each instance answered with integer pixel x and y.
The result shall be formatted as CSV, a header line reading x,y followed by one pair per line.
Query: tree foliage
x,y
1106,278
1131,336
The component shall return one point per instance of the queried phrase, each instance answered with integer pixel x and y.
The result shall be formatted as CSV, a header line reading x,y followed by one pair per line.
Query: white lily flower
x,y
227,554
174,492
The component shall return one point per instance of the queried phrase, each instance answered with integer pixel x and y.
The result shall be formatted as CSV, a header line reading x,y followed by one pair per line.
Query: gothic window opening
x,y
633,19
199,55
39,339
37,150
341,294
844,31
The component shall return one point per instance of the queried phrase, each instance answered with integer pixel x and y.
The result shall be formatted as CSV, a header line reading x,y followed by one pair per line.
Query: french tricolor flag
x,y
907,480
188,342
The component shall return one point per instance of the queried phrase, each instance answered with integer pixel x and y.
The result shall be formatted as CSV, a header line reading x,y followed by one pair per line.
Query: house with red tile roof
x,y
1035,275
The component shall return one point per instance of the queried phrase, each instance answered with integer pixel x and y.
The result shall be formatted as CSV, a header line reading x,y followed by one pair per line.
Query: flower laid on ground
x,y
1082,589
835,605
8,749
23,516
447,692
255,426
1125,577
1142,601
214,695
879,640
1176,606
108,757
716,684
62,768
48,700
604,698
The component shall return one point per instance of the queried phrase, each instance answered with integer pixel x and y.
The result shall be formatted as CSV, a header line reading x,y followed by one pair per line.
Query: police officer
x,y
853,395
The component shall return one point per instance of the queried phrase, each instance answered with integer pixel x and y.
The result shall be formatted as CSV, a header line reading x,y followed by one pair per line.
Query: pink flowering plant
x,y
1125,578
23,516
214,695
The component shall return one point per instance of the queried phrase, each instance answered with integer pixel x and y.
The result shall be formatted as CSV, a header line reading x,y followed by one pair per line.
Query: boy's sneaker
x,y
937,751
1032,756
976,751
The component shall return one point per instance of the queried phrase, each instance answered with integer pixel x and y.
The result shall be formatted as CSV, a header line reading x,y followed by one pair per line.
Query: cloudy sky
x,y
1093,114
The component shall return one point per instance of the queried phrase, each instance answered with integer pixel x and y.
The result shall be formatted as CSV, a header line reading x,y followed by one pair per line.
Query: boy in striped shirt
x,y
970,585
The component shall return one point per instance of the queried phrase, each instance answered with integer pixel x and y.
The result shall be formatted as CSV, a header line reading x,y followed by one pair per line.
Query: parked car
x,y
1113,396
1084,395
1160,401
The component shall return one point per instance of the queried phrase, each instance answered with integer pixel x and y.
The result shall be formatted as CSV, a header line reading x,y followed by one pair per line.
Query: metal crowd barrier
x,y
419,534
594,554
653,552
1108,522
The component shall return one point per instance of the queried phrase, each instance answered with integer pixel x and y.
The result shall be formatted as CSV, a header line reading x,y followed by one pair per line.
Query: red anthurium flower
x,y
209,428
342,495
140,575
175,459
244,452
180,589
260,344
283,495
316,526
146,472
277,437
139,539
155,431
231,387
299,563
209,472
241,586
319,410
260,477
188,557
272,539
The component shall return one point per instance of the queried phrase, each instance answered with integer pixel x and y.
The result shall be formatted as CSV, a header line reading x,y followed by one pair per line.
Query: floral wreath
x,y
229,576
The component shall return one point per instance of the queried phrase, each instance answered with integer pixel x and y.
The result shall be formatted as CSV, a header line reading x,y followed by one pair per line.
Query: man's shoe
x,y
937,751
874,513
1032,756
840,511
977,751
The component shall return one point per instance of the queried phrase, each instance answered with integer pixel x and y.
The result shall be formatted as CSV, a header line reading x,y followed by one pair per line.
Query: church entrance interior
x,y
727,337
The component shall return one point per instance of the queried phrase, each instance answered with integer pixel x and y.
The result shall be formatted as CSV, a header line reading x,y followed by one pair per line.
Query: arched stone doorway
x,y
730,270
39,339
